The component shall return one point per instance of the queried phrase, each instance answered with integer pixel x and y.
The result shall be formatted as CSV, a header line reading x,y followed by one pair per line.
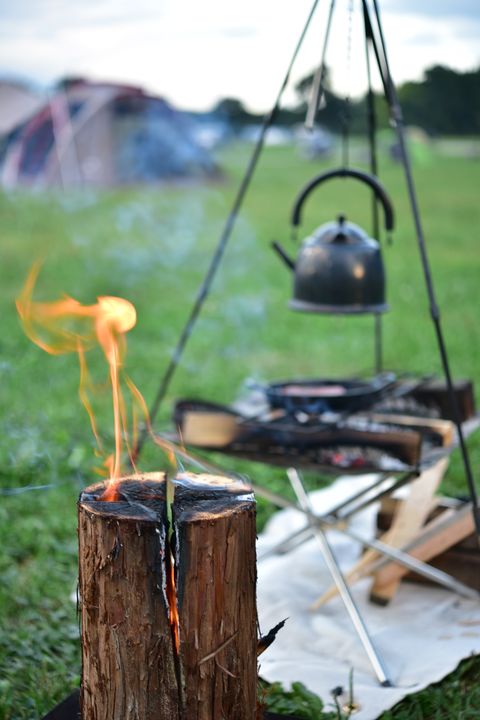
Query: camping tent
x,y
17,104
102,135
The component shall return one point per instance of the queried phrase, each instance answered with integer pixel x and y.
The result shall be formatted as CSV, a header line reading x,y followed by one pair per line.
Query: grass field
x,y
153,247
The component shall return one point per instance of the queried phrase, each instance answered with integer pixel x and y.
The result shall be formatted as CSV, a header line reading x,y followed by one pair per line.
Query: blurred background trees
x,y
444,102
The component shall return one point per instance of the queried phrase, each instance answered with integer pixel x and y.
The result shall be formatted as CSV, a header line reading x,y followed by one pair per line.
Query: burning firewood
x,y
167,566
168,625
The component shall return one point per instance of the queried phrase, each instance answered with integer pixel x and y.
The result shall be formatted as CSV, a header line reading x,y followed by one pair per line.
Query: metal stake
x,y
331,562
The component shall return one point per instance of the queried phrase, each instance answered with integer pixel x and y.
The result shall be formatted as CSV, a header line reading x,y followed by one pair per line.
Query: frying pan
x,y
328,395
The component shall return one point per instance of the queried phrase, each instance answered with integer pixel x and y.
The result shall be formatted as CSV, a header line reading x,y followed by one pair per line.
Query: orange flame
x,y
174,617
68,326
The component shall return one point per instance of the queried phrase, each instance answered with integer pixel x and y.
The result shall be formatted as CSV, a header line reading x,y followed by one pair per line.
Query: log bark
x,y
132,668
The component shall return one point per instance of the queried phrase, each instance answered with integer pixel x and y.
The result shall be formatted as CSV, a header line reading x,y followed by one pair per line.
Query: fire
x,y
174,617
171,585
67,326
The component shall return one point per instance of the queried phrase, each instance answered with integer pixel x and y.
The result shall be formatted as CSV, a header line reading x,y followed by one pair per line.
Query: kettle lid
x,y
339,231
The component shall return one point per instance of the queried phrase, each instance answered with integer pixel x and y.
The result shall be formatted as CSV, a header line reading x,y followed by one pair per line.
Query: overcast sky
x,y
196,52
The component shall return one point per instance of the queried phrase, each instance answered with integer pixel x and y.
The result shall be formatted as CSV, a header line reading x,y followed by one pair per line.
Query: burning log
x,y
280,439
167,592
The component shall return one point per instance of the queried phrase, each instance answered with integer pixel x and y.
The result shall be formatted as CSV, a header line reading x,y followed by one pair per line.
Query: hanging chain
x,y
347,114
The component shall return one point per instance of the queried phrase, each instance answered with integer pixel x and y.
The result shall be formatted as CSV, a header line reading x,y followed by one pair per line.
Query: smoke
x,y
152,238
154,247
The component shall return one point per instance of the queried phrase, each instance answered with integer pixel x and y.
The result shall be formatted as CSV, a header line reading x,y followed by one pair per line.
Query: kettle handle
x,y
370,180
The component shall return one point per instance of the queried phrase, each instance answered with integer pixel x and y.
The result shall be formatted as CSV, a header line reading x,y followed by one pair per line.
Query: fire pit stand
x,y
259,433
316,526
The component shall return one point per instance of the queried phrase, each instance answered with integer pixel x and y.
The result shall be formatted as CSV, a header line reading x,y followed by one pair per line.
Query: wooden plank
x,y
435,393
389,504
411,514
463,565
437,536
212,429
444,428
363,566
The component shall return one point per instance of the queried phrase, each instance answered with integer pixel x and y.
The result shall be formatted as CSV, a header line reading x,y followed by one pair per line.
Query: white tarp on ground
x,y
422,635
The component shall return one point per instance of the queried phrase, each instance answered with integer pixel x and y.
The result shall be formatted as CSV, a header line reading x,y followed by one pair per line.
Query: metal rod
x,y
294,540
372,127
402,558
397,118
372,144
222,243
348,601
395,485
371,36
378,330
319,76
428,571
288,543
358,495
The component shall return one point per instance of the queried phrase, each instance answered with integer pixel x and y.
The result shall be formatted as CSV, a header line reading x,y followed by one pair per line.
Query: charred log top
x,y
142,497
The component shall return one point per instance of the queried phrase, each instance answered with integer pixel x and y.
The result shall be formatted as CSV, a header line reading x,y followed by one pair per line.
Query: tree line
x,y
444,102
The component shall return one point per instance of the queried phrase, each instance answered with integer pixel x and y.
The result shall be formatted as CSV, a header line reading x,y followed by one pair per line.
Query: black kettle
x,y
339,268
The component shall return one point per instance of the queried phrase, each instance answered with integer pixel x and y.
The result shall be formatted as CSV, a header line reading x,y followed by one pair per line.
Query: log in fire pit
x,y
403,429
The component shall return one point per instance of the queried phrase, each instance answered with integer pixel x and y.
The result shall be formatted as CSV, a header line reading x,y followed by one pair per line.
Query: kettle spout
x,y
283,255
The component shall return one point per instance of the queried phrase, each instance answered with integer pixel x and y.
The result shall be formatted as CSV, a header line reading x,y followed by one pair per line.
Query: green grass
x,y
153,247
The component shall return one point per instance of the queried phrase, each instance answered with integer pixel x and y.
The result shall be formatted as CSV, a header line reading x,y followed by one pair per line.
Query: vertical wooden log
x,y
131,667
